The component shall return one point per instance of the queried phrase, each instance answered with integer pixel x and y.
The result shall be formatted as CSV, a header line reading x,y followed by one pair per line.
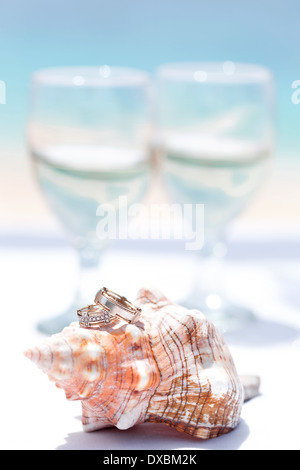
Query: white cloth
x,y
37,279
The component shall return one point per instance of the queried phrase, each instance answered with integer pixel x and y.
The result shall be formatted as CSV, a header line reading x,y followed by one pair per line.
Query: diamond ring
x,y
92,315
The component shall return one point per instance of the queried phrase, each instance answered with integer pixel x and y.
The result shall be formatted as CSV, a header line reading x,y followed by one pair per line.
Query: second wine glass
x,y
215,132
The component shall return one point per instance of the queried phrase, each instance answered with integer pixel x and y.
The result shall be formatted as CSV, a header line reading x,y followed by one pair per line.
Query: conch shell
x,y
172,367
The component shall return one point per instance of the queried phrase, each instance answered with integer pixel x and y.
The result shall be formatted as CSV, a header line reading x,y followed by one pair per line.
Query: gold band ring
x,y
118,306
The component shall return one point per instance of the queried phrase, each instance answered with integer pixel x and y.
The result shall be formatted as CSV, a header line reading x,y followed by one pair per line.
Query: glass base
x,y
220,311
55,324
88,285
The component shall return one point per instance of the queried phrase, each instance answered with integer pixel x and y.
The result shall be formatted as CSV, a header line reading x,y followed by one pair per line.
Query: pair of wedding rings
x,y
107,306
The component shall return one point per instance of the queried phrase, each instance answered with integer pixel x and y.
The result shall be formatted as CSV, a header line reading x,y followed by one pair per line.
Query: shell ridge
x,y
184,325
196,362
208,393
199,396
184,375
232,396
158,366
70,350
173,390
195,419
223,401
128,398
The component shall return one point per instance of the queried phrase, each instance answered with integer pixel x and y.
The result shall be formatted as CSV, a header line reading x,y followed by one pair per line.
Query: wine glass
x,y
215,133
89,135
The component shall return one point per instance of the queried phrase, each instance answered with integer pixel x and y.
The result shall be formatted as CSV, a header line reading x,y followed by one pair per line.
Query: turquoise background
x,y
143,34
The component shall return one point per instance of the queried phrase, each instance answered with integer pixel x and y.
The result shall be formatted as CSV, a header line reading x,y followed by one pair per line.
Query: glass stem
x,y
89,280
209,275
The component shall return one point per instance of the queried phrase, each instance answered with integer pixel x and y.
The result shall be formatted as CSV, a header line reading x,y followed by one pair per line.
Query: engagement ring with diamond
x,y
93,315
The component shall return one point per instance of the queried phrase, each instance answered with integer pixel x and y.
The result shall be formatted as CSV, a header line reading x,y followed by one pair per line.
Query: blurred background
x,y
38,267
143,34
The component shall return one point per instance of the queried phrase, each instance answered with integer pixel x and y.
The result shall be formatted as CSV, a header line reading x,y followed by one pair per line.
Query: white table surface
x,y
37,277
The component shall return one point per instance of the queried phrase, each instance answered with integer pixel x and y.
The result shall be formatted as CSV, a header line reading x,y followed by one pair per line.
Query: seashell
x,y
172,367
